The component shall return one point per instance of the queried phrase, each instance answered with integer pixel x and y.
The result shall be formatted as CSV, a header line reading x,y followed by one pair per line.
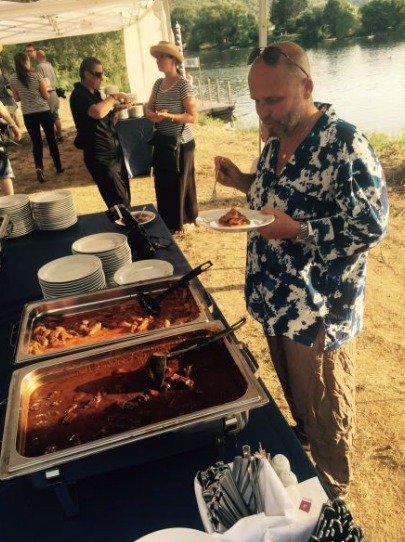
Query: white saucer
x,y
176,534
53,196
143,270
69,268
98,243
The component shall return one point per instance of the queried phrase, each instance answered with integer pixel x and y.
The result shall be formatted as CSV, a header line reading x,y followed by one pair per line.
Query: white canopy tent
x,y
144,22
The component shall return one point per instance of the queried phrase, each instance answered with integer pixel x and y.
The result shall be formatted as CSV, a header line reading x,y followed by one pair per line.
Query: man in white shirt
x,y
45,68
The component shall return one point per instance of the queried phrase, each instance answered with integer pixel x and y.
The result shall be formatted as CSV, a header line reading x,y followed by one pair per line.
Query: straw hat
x,y
167,48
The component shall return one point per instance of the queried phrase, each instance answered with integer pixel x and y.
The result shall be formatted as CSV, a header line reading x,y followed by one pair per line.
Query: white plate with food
x,y
234,219
142,270
143,217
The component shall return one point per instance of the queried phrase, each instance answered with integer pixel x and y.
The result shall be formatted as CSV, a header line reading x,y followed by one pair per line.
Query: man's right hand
x,y
16,132
123,98
228,174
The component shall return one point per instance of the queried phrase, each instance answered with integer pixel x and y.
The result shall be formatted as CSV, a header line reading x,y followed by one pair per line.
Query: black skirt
x,y
176,193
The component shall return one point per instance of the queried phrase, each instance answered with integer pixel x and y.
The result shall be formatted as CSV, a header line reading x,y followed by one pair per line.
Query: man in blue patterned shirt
x,y
305,275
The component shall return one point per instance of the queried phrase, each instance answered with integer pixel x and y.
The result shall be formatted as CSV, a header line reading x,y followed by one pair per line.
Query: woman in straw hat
x,y
172,108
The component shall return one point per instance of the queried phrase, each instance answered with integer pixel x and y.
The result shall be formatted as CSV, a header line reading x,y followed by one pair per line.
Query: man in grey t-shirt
x,y
45,68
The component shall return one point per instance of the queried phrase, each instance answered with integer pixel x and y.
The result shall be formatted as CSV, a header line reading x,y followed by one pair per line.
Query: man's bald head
x,y
41,56
294,57
282,88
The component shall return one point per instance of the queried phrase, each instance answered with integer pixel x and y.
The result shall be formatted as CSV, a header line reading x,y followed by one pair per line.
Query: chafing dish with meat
x,y
55,327
91,401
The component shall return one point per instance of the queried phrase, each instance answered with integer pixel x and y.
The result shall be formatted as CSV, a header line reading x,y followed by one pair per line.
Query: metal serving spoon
x,y
151,305
158,361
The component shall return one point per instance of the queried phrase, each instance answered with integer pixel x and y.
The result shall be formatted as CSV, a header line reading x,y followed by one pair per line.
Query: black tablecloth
x,y
133,135
117,505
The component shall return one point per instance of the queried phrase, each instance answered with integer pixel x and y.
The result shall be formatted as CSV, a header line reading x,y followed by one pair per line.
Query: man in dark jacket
x,y
96,136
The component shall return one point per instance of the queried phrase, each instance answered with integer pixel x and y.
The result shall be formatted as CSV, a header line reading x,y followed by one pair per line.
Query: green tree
x,y
310,25
223,25
66,54
378,15
341,18
186,20
283,12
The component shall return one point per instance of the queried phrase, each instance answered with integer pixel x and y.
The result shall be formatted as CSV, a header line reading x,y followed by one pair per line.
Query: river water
x,y
363,79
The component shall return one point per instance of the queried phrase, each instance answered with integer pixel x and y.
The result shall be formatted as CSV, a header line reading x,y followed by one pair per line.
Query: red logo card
x,y
305,505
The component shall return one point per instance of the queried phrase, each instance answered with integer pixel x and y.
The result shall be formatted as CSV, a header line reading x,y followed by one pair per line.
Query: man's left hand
x,y
283,227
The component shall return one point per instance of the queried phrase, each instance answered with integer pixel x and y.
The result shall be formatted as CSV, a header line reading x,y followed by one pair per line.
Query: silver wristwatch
x,y
304,232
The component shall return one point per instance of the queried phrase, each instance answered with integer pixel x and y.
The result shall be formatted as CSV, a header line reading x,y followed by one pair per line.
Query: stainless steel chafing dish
x,y
25,381
102,299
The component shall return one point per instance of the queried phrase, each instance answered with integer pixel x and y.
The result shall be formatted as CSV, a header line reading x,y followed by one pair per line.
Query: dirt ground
x,y
378,456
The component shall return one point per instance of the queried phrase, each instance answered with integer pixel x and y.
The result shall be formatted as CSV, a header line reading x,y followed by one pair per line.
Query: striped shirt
x,y
172,100
31,99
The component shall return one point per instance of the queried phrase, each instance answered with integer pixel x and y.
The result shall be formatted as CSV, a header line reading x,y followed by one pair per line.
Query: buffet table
x,y
115,502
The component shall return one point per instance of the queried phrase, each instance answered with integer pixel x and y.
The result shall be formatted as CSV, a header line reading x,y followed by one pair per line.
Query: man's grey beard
x,y
287,127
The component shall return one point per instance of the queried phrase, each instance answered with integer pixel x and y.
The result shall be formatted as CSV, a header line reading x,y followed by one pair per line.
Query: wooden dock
x,y
212,99
220,110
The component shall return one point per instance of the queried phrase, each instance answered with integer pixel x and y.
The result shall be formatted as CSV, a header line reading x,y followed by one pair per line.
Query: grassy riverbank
x,y
379,446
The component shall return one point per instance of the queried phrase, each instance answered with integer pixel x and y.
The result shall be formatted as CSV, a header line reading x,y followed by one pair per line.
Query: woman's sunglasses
x,y
271,56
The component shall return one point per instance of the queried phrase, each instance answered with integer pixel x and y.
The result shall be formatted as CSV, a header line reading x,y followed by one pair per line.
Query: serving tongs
x,y
158,361
151,305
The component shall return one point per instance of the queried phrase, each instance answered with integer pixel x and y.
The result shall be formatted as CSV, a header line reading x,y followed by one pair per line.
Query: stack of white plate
x,y
112,249
18,209
71,275
54,210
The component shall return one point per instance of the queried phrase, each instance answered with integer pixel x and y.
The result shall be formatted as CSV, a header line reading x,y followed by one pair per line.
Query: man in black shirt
x,y
96,135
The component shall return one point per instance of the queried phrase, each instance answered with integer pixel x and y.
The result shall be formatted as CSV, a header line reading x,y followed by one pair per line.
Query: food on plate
x,y
233,218
56,332
115,394
142,217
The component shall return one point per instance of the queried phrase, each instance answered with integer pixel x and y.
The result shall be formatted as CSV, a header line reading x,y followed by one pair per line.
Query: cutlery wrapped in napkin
x,y
248,501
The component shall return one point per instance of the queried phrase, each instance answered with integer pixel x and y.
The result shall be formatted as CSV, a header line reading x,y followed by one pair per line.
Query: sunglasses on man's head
x,y
99,75
271,56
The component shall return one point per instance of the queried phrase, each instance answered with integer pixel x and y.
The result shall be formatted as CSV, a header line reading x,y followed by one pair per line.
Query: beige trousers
x,y
319,387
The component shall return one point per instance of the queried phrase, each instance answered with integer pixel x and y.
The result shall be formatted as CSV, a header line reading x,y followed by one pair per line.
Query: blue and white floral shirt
x,y
335,181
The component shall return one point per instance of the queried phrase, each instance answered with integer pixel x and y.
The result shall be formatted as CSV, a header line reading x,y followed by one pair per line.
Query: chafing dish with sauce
x,y
67,408
50,328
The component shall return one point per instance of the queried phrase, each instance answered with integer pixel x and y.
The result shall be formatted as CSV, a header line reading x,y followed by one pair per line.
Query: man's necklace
x,y
287,150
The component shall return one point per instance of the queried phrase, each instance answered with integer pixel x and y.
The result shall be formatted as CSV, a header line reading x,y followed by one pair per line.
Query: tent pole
x,y
263,19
